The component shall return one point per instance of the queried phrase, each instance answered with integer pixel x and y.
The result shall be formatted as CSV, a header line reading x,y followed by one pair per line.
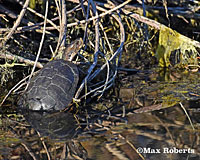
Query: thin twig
x,y
101,15
44,145
118,51
11,14
41,44
17,22
96,51
20,59
63,27
40,15
106,38
13,88
187,115
31,153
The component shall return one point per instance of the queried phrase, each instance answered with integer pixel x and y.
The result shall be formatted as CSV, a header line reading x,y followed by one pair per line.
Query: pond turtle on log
x,y
54,86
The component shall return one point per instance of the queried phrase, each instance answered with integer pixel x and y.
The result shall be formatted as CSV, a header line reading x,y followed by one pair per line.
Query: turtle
x,y
54,86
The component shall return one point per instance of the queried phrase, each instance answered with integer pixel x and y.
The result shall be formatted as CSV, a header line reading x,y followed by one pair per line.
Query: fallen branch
x,y
20,59
155,24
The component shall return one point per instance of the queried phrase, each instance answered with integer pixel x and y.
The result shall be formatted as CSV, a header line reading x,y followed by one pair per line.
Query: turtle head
x,y
72,49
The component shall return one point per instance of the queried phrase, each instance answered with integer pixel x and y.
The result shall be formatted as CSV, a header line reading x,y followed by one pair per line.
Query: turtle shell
x,y
52,88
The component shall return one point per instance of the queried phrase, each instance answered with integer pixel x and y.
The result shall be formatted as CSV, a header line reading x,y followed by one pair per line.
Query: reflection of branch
x,y
30,153
115,151
44,145
191,123
167,129
133,147
149,108
161,138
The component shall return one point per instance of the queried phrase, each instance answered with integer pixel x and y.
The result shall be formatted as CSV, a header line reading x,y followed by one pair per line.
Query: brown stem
x,y
16,23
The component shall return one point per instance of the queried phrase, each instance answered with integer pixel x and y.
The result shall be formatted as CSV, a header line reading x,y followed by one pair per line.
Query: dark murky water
x,y
116,127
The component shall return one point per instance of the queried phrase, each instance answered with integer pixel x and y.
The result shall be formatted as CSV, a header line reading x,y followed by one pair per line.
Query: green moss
x,y
170,40
32,4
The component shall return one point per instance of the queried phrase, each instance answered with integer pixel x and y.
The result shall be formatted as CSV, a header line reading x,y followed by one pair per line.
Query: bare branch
x,y
16,23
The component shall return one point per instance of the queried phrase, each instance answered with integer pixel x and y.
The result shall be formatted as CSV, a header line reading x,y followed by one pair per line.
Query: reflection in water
x,y
106,136
49,136
112,129
58,126
160,88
